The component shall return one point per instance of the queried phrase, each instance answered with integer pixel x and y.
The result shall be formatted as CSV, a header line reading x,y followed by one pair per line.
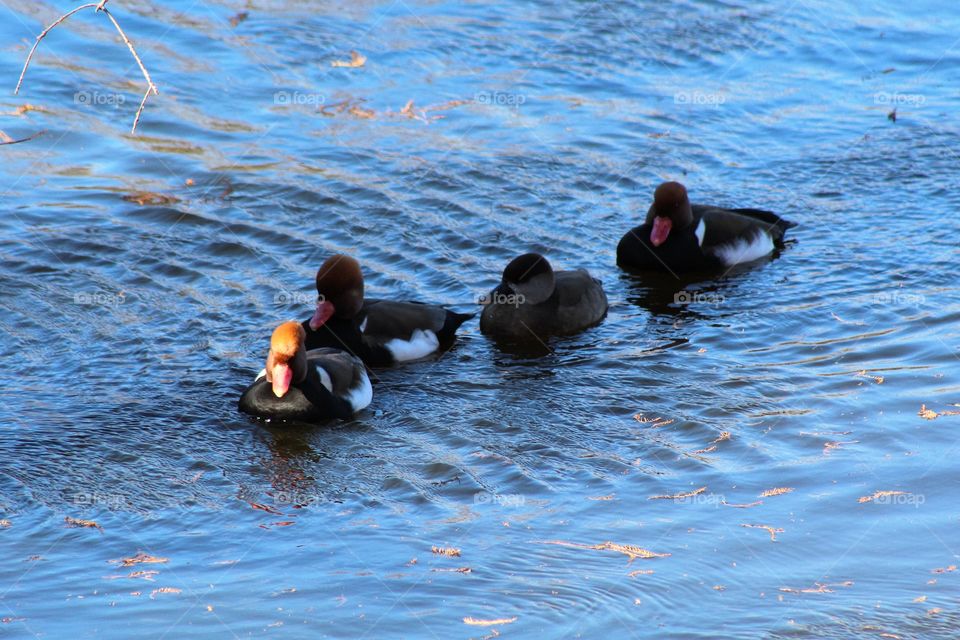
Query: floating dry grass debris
x,y
357,59
140,558
453,570
881,494
724,436
155,592
146,574
654,422
145,198
25,109
949,569
830,446
451,552
930,414
633,552
612,496
741,506
353,106
680,496
263,507
238,18
360,112
76,522
98,7
773,531
863,374
477,622
776,491
640,572
818,587
920,599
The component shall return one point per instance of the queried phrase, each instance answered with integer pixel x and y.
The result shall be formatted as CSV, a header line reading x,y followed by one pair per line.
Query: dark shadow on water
x,y
684,296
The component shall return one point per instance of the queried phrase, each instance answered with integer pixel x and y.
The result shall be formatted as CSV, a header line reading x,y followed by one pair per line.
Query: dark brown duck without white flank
x,y
380,332
679,237
306,386
533,301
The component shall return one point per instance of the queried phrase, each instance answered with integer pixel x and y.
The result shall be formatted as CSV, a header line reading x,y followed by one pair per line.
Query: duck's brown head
x,y
670,211
339,290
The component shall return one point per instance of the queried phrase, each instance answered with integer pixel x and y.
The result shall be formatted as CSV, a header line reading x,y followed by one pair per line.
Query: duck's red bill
x,y
282,376
324,310
661,229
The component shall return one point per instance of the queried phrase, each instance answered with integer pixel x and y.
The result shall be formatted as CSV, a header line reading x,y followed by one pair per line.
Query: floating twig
x,y
773,531
30,137
98,7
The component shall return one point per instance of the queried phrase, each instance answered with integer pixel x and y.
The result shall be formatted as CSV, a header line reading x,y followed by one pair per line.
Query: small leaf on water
x,y
356,60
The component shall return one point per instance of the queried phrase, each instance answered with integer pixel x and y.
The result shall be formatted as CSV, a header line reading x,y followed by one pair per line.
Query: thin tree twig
x,y
97,7
30,137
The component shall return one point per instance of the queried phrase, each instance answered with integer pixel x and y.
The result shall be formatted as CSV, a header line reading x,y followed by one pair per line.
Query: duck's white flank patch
x,y
701,231
325,378
422,343
362,394
744,250
263,372
363,325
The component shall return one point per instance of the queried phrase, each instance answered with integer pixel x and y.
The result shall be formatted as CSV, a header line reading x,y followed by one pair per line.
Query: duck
x,y
306,385
534,301
379,332
678,237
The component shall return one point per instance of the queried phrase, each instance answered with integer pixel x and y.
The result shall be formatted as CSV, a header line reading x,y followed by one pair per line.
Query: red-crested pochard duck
x,y
306,386
679,237
534,301
380,332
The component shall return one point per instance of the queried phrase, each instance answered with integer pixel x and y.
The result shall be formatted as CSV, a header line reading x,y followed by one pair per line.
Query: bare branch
x,y
41,37
98,7
30,137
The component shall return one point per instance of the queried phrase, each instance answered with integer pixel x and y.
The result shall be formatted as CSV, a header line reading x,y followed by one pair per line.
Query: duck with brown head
x,y
380,332
533,302
306,386
679,237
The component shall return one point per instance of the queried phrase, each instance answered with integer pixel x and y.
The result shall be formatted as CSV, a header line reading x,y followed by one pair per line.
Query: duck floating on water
x,y
306,386
380,332
678,237
534,301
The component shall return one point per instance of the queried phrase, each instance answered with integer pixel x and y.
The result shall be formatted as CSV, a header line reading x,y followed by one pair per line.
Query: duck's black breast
x,y
308,401
344,334
680,253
